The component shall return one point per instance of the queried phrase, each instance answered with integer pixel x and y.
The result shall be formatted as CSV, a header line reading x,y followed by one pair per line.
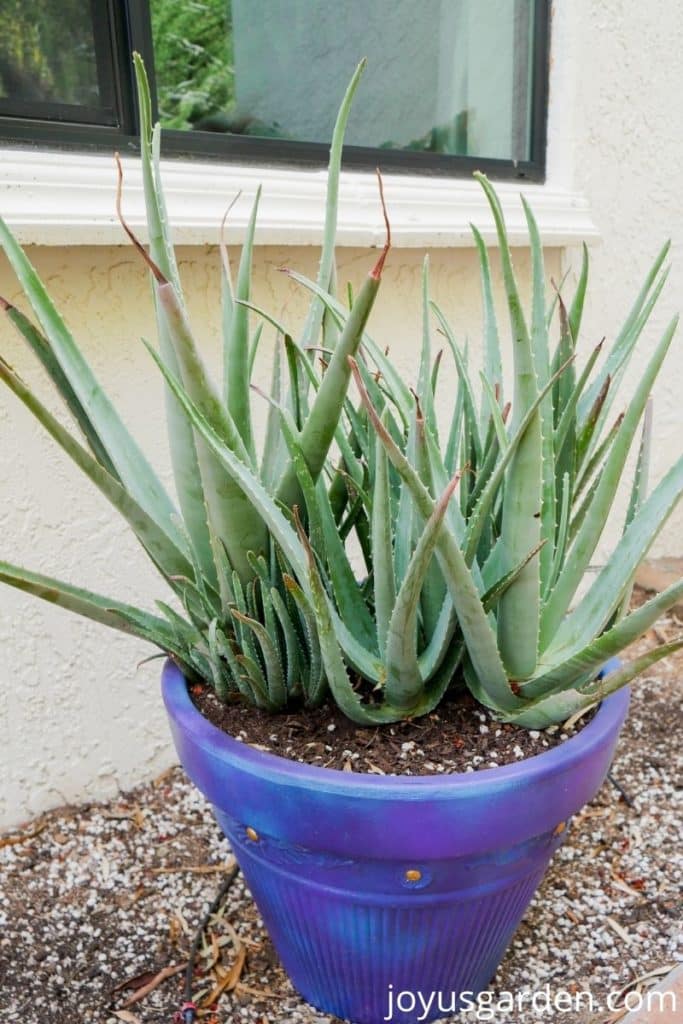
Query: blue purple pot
x,y
374,886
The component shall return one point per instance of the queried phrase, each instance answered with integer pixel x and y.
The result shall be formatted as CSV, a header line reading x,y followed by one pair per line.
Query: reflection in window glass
x,y
47,54
444,76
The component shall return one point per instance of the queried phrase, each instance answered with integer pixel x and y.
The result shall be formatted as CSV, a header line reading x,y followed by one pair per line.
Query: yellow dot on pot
x,y
559,829
252,834
413,875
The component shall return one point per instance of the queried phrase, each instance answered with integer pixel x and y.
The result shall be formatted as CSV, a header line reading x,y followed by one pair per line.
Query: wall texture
x,y
625,154
79,720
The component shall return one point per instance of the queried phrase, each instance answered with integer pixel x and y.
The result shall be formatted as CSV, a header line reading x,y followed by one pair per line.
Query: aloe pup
x,y
474,540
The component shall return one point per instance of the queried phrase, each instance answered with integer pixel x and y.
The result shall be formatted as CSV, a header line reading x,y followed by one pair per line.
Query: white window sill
x,y
51,198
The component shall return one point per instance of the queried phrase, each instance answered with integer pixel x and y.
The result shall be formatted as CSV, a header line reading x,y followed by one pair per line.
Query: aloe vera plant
x,y
474,539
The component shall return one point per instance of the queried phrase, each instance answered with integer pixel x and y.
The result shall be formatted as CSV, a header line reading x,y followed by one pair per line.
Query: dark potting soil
x,y
459,736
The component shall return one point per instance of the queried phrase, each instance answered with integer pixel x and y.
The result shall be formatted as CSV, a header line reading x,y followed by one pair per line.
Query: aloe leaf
x,y
424,383
41,348
271,459
494,413
400,392
282,532
519,607
220,673
240,678
131,466
335,669
384,582
404,525
576,308
638,493
568,416
587,471
326,267
455,430
441,639
236,352
640,477
559,707
493,366
562,535
404,684
539,345
494,593
593,611
184,461
108,612
325,540
627,337
321,423
249,484
588,535
232,519
274,675
485,504
162,549
464,380
315,685
568,672
256,678
590,430
619,373
476,629
293,653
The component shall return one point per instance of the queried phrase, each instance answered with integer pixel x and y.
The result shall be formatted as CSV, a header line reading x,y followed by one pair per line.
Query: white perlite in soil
x,y
96,896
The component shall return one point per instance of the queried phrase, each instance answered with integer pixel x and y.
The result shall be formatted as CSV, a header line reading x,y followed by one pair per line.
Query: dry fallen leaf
x,y
144,990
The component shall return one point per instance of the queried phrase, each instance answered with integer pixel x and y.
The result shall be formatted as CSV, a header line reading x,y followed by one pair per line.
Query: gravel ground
x,y
96,900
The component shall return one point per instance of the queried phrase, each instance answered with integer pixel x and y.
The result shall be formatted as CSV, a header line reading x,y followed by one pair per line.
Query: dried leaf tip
x,y
5,305
156,272
376,271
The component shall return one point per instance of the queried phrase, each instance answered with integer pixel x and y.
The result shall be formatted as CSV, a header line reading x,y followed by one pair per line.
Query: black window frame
x,y
129,30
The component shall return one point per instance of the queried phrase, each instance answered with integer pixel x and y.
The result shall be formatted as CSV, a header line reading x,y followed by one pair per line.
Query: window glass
x,y
443,76
48,57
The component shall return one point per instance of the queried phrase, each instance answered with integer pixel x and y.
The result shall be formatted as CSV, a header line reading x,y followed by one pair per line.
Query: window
x,y
451,84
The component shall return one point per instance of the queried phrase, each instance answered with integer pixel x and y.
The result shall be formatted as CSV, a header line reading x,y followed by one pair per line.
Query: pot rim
x,y
558,759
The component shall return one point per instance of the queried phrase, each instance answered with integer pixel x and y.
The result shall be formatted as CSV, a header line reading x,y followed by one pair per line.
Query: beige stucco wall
x,y
623,149
78,720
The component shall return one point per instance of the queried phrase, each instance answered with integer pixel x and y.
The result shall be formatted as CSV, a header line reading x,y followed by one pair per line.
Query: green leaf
x,y
236,352
493,366
597,605
40,346
519,608
559,707
589,533
322,421
104,610
163,551
568,673
184,461
464,381
384,582
326,268
131,466
628,335
404,684
274,675
576,308
476,629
